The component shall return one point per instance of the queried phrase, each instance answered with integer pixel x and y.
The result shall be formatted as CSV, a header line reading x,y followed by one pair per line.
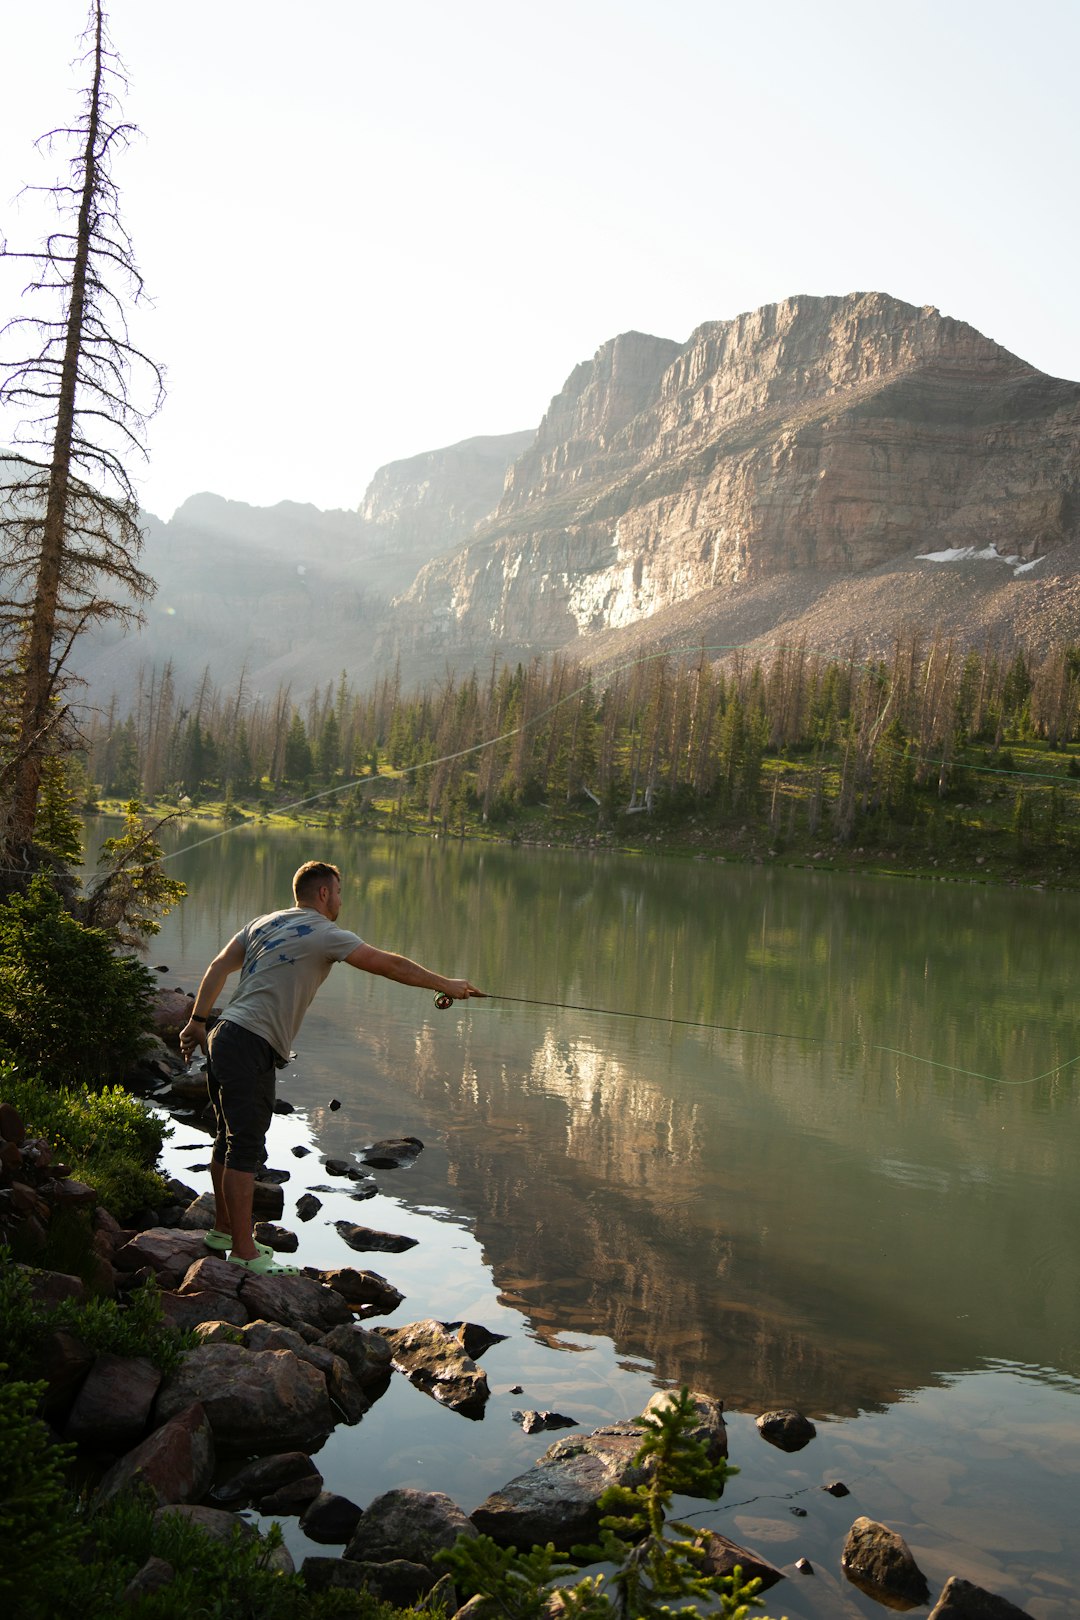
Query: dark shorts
x,y
240,1073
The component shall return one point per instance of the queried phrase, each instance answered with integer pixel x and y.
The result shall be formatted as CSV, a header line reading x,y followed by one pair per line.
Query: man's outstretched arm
x,y
228,961
389,965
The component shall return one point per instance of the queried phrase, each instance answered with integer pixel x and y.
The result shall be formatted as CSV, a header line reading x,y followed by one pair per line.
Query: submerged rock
x,y
434,1360
962,1600
393,1152
721,1555
787,1429
365,1237
879,1562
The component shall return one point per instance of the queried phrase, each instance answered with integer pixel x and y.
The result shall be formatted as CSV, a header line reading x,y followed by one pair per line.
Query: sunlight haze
x,y
369,231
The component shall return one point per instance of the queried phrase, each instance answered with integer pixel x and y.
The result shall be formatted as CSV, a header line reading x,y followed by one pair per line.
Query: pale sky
x,y
374,229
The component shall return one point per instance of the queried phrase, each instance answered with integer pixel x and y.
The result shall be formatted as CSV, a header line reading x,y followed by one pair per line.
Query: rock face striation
x,y
819,435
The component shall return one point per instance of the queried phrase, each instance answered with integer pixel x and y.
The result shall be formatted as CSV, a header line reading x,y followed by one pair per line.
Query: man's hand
x,y
461,989
191,1036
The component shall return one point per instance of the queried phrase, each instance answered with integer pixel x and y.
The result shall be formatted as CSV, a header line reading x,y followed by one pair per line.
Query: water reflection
x,y
781,1208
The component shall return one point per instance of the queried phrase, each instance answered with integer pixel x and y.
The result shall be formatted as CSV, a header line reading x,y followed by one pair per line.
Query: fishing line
x,y
443,1001
686,649
475,748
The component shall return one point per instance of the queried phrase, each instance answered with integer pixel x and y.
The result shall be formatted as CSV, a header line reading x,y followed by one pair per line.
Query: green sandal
x,y
221,1242
264,1265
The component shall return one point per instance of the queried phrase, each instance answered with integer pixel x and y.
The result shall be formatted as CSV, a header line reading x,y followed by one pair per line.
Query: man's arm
x,y
228,961
389,965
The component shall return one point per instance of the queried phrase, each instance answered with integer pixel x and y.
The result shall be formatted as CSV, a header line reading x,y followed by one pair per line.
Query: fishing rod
x,y
444,1001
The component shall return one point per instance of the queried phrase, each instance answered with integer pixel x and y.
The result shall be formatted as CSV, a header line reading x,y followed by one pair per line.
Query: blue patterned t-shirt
x,y
287,955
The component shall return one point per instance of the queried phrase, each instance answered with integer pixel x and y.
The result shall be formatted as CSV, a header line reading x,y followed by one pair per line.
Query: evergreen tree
x,y
298,761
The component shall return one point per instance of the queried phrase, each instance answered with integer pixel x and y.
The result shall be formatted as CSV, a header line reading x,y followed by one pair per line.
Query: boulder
x,y
64,1193
112,1408
342,1387
961,1600
211,1272
435,1361
408,1524
169,1012
201,1214
12,1128
710,1429
268,1201
879,1563
265,1474
175,1464
189,1311
397,1582
533,1422
48,1289
787,1429
367,1292
557,1499
393,1152
168,1251
345,1393
366,1237
254,1399
367,1355
330,1519
721,1555
216,1330
473,1338
307,1206
223,1527
279,1238
154,1576
292,1300
292,1498
63,1361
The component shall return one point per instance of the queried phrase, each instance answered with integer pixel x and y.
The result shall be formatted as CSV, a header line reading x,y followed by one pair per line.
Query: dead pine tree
x,y
69,522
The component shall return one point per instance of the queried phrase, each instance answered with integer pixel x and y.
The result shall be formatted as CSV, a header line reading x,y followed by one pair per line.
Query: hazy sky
x,y
373,229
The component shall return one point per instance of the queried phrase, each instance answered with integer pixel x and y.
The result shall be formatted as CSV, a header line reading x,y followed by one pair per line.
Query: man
x,y
282,960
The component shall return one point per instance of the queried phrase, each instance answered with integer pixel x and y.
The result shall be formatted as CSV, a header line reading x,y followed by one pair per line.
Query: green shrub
x,y
135,1329
652,1565
35,1532
70,1008
106,1137
229,1580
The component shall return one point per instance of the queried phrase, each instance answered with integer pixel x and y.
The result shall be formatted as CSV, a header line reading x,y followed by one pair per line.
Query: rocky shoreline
x,y
281,1360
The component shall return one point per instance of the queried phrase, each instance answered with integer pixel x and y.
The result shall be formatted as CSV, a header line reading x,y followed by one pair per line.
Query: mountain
x,y
824,467
775,465
291,592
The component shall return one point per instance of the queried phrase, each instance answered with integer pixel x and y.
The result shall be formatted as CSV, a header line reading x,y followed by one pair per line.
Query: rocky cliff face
x,y
416,509
823,434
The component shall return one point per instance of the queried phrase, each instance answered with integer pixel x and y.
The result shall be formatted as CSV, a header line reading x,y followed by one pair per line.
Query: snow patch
x,y
978,554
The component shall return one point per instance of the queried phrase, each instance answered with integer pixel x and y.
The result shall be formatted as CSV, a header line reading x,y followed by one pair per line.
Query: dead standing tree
x,y
69,521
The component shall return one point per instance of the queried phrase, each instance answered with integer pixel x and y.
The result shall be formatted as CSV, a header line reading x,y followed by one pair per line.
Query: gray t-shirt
x,y
287,955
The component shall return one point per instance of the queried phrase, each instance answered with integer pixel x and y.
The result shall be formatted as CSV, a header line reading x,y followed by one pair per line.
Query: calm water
x,y
856,1193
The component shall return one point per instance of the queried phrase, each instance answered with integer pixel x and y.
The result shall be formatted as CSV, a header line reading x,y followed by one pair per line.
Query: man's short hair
x,y
311,876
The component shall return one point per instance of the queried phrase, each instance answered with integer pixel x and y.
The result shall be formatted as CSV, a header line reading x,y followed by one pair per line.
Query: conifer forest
x,y
931,751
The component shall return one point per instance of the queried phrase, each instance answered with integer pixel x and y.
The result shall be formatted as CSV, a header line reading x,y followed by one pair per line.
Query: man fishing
x,y
282,960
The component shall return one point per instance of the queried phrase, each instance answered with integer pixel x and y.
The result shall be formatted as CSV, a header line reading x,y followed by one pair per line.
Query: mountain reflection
x,y
782,1209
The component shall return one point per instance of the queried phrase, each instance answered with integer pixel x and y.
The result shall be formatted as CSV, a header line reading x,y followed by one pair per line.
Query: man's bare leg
x,y
221,1205
238,1187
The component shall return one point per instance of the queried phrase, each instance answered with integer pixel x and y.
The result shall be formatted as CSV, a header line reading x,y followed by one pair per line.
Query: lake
x,y
792,1138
